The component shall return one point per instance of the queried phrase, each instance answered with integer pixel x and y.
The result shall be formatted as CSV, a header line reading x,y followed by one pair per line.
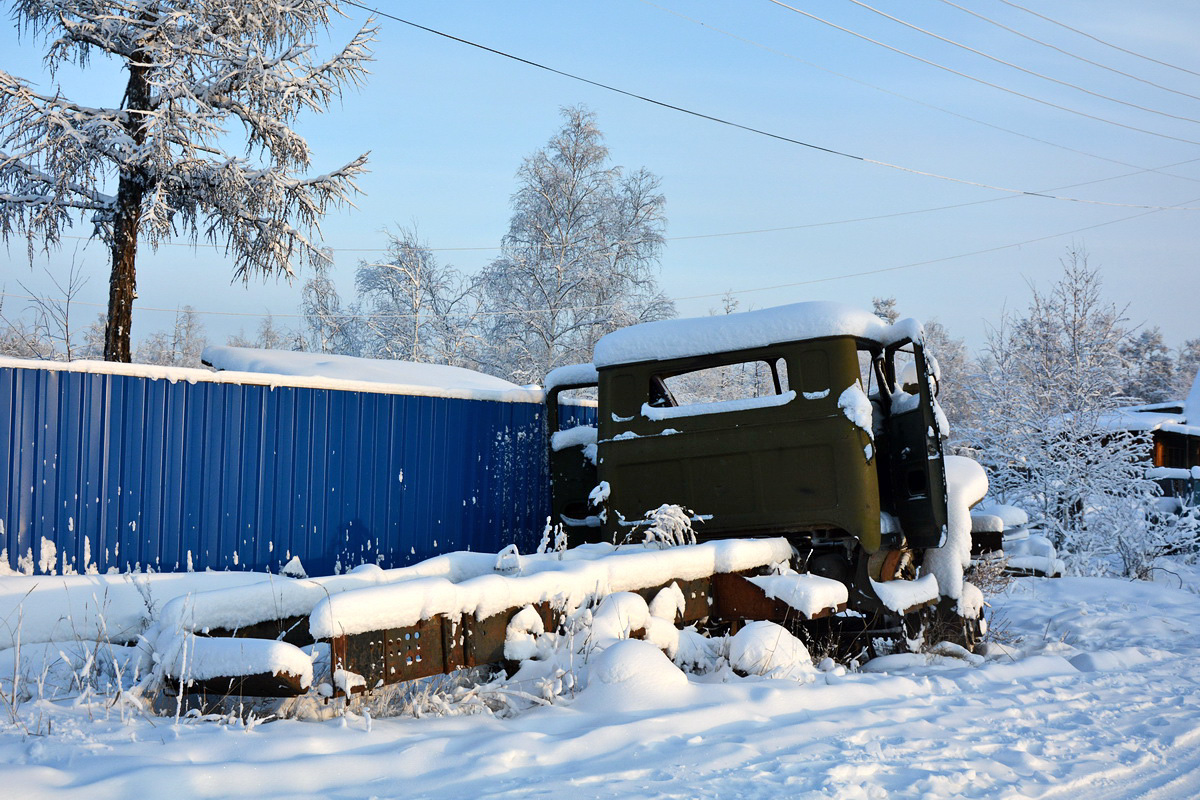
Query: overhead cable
x,y
1011,65
905,97
709,295
1068,53
980,81
768,134
1098,39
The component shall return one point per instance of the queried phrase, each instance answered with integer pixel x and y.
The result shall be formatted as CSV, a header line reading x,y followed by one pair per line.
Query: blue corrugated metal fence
x,y
132,472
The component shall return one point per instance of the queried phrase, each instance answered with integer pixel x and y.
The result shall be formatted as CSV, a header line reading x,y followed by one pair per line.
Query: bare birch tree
x,y
155,164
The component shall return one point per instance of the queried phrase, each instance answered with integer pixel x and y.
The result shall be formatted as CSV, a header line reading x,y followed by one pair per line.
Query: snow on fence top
x,y
681,338
424,380
403,604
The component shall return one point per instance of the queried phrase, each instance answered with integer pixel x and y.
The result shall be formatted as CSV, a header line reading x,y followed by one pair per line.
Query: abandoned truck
x,y
823,428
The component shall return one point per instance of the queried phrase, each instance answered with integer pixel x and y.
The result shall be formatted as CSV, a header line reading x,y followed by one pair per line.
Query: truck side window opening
x,y
738,381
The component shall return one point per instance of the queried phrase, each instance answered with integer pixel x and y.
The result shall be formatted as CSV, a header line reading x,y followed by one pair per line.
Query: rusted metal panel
x,y
293,630
737,599
259,685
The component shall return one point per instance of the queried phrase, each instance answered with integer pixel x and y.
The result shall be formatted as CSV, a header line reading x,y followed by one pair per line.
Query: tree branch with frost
x,y
158,165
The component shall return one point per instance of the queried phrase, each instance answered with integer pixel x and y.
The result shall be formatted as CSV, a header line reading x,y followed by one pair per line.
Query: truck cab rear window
x,y
741,381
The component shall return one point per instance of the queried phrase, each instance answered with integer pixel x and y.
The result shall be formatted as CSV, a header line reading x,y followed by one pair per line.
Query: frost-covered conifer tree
x,y
1151,367
579,258
1187,366
157,163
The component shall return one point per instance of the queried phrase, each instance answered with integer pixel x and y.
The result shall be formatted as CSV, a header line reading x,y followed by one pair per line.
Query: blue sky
x,y
447,126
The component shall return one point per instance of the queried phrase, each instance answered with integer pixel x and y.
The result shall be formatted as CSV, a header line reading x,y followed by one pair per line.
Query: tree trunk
x,y
122,286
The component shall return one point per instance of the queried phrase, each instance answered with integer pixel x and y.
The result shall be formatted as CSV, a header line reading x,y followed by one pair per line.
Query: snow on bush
x,y
669,526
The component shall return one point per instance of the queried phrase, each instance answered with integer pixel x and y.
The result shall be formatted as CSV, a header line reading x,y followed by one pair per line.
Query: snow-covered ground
x,y
1097,696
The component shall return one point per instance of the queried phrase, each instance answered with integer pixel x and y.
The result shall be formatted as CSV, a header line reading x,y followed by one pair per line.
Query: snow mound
x,y
1112,660
764,648
632,675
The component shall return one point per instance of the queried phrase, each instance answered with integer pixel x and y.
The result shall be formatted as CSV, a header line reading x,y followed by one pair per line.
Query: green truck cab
x,y
813,421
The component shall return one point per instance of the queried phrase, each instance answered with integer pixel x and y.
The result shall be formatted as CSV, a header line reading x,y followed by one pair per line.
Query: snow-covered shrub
x,y
669,526
1041,425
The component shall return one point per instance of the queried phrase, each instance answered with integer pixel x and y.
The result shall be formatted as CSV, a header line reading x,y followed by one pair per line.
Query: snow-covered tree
x,y
20,339
885,309
270,336
92,339
1150,367
1049,378
328,327
416,309
157,163
1187,365
580,256
954,370
182,346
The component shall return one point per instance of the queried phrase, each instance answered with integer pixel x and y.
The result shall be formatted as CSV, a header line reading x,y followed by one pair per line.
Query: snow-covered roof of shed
x,y
372,370
1170,417
682,338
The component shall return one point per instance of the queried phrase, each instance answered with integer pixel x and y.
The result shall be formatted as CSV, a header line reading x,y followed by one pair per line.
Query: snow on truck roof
x,y
682,338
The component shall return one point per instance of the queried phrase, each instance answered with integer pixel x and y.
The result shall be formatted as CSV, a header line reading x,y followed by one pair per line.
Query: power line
x,y
776,136
1068,53
793,284
1011,65
905,97
980,81
1098,39
753,231
913,264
